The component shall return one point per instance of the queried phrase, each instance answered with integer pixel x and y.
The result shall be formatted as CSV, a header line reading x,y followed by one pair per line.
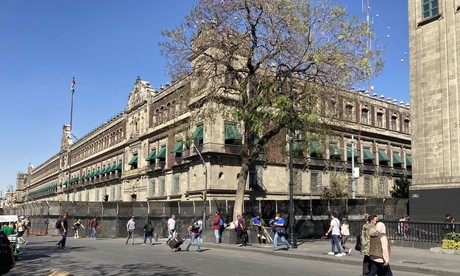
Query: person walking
x,y
366,232
93,225
21,228
76,227
334,229
171,228
27,225
148,232
379,252
130,227
194,231
345,231
280,232
218,225
64,228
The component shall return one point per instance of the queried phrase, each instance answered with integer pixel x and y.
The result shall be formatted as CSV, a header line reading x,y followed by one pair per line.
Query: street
x,y
113,257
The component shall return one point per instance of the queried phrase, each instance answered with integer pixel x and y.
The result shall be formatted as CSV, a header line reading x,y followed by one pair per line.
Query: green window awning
x,y
383,156
119,166
97,173
232,132
315,148
133,161
112,168
178,148
296,146
162,153
408,161
334,149
355,153
152,155
198,134
368,155
396,158
105,169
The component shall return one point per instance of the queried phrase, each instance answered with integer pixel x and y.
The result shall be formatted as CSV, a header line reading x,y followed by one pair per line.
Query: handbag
x,y
280,230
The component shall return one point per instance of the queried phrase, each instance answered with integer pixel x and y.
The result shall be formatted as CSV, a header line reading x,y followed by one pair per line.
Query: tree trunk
x,y
241,187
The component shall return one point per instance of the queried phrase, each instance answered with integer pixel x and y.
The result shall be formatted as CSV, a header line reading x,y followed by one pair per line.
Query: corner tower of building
x,y
434,38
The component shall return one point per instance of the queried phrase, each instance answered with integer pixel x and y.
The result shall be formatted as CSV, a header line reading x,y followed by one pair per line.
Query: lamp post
x,y
292,234
205,184
353,180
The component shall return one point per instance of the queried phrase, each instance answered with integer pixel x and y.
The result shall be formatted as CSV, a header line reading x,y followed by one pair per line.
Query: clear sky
x,y
107,44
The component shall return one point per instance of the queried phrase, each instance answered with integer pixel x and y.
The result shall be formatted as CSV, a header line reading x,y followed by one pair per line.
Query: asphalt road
x,y
114,257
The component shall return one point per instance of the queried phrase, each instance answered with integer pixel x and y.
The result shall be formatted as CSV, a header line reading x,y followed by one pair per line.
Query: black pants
x,y
379,269
366,265
241,235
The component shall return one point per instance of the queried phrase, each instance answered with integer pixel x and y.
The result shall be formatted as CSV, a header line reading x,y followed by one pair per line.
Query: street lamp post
x,y
205,185
353,180
292,234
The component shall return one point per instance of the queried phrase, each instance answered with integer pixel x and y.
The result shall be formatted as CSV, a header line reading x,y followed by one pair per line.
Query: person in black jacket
x,y
148,231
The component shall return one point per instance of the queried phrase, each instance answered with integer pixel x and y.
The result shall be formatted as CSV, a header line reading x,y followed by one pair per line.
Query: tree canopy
x,y
269,63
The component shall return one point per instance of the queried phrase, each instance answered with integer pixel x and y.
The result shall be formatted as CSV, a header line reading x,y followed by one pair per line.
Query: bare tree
x,y
268,63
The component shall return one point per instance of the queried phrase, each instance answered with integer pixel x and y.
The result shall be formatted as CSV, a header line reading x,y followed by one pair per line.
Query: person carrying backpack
x,y
218,225
148,231
64,227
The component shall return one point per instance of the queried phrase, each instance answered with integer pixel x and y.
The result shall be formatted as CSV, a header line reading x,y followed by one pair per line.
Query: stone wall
x,y
311,216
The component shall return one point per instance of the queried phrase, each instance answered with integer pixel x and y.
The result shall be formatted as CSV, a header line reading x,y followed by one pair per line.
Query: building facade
x,y
154,151
434,84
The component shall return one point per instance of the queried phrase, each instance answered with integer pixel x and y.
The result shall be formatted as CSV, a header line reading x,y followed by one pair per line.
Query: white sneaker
x,y
330,253
339,255
349,251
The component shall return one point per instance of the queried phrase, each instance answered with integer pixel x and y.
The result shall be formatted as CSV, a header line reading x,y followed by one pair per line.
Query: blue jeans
x,y
93,233
193,238
217,234
61,243
335,242
148,237
283,239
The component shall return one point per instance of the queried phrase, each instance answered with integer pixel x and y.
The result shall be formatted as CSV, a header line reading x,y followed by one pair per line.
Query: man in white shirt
x,y
171,228
130,227
335,229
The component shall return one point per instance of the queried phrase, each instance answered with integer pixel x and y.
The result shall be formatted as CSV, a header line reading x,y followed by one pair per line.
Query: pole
x,y
292,235
205,185
72,89
353,181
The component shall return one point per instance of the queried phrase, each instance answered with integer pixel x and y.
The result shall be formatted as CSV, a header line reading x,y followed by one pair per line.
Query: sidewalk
x,y
402,258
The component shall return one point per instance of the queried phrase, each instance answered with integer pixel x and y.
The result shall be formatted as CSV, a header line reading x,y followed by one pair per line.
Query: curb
x,y
293,254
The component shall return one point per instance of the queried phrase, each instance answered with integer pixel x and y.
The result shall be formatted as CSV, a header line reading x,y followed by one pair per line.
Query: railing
x,y
416,232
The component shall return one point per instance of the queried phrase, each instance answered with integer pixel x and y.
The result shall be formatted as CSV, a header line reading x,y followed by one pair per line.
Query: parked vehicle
x,y
14,243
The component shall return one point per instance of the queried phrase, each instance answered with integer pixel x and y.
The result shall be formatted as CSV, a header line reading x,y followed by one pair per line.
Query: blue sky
x,y
107,44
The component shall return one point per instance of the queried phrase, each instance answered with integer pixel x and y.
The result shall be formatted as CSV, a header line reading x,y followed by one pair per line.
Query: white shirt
x,y
335,226
171,224
131,225
345,229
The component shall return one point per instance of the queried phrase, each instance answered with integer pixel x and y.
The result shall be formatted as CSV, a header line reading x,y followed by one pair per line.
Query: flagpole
x,y
72,89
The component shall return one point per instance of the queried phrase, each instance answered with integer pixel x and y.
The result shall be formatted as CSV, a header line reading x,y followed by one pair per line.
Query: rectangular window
x,y
379,119
368,186
364,119
430,8
315,181
406,126
393,123
297,179
161,186
349,112
175,185
383,187
151,191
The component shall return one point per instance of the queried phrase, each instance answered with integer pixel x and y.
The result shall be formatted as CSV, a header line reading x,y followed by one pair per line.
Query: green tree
x,y
268,63
401,188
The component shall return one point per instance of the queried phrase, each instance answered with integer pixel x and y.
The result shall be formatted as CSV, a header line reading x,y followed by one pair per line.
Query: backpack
x,y
358,242
58,223
221,223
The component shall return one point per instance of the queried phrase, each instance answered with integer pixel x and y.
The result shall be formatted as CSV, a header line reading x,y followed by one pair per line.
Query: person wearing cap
x,y
194,231
130,227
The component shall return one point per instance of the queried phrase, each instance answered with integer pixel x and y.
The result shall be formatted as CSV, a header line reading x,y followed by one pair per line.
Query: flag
x,y
72,88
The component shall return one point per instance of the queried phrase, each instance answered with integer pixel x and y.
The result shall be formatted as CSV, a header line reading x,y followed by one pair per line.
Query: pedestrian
x,y
450,226
76,227
130,227
257,223
241,231
8,229
171,228
64,228
334,229
28,225
379,252
345,231
218,225
280,232
21,228
7,260
366,232
148,232
194,231
93,225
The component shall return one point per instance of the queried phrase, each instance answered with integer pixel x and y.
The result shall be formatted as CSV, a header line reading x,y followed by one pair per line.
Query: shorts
x,y
20,233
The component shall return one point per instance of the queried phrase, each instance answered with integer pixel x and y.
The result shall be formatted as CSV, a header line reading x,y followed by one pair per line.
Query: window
x,y
175,185
297,179
430,8
394,122
151,190
383,186
379,119
364,116
161,186
349,112
406,126
315,181
368,185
